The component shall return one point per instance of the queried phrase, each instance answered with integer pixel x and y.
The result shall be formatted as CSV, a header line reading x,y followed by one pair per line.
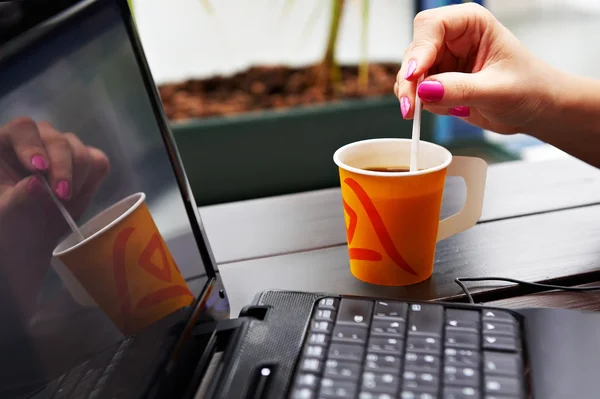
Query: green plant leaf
x,y
363,66
207,6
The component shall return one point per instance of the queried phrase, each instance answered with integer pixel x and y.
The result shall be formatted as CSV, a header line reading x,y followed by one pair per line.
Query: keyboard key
x,y
387,346
499,342
375,395
502,386
355,312
462,376
338,369
413,394
421,362
350,334
69,382
328,303
307,381
325,315
321,326
496,363
461,339
390,327
315,351
498,315
379,362
422,381
303,393
466,319
461,393
461,357
423,344
311,365
426,319
391,309
339,351
499,328
318,339
380,382
331,388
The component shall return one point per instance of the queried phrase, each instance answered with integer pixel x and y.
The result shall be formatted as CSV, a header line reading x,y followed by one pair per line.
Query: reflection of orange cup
x,y
125,266
392,219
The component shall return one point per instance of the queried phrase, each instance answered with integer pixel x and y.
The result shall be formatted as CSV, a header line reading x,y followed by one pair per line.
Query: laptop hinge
x,y
200,361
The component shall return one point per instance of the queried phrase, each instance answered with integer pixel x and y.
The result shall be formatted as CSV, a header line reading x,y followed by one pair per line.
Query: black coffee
x,y
389,169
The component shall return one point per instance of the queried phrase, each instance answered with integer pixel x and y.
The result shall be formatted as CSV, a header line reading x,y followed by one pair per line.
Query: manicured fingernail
x,y
431,91
461,112
412,66
39,162
404,106
35,185
63,189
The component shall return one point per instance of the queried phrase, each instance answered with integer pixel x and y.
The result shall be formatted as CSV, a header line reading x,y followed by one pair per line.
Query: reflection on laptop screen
x,y
80,92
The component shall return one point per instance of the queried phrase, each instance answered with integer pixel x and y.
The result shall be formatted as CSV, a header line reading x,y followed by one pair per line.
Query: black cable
x,y
460,281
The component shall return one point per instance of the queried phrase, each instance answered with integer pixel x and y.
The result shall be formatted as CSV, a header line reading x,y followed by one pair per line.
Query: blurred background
x,y
257,73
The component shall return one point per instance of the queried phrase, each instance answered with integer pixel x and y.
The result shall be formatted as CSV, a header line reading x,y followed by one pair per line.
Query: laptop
x,y
83,71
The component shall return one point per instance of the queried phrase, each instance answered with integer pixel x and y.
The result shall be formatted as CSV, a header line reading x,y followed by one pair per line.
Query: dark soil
x,y
263,87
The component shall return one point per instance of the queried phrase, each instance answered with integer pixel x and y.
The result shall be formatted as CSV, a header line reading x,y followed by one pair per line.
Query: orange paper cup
x,y
392,218
125,266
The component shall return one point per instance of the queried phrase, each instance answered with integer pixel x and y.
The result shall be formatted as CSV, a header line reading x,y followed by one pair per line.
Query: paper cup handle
x,y
474,172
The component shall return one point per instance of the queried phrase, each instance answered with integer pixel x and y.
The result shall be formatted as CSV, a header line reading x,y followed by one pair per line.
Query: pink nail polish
x,y
39,162
461,112
412,66
404,106
63,189
431,91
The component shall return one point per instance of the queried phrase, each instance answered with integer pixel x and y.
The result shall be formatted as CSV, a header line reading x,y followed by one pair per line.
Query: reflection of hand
x,y
30,224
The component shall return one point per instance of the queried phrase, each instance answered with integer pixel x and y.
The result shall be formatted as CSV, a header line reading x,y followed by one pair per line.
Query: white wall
x,y
182,40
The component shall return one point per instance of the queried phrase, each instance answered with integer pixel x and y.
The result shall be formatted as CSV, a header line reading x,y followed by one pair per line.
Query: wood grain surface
x,y
312,220
555,299
556,245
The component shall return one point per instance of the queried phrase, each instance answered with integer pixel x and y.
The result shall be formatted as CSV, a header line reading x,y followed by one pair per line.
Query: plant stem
x,y
329,71
363,67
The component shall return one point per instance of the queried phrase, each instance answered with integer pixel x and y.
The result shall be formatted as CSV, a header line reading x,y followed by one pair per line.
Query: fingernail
x,y
431,91
35,185
63,190
39,162
461,112
404,106
412,66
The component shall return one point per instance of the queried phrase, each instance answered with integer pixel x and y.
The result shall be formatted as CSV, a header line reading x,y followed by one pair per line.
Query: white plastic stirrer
x,y
62,209
416,131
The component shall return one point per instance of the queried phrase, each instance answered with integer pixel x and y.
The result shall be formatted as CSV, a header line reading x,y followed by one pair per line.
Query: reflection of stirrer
x,y
62,209
416,131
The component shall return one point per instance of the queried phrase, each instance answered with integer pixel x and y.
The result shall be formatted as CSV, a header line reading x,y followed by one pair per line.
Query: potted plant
x,y
273,129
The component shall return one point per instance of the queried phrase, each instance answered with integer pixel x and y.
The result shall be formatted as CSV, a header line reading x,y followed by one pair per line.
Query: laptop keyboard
x,y
87,380
366,349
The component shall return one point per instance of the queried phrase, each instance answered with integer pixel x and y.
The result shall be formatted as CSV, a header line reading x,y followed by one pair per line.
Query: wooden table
x,y
541,222
589,301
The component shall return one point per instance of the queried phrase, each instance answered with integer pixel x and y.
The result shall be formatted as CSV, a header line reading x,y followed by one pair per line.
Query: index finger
x,y
432,28
23,136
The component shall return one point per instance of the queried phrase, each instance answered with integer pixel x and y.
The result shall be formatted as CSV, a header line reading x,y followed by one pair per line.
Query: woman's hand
x,y
475,69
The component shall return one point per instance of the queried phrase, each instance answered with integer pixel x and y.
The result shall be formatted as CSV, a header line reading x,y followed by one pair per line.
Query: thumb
x,y
453,89
25,191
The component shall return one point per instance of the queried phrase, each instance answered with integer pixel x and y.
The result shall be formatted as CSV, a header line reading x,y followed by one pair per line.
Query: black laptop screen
x,y
79,91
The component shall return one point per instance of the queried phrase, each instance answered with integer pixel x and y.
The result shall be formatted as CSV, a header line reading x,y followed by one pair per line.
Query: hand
x,y
30,223
475,69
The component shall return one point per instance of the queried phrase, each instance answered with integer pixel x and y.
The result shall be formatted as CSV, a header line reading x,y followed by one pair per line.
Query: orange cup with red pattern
x,y
393,215
125,266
